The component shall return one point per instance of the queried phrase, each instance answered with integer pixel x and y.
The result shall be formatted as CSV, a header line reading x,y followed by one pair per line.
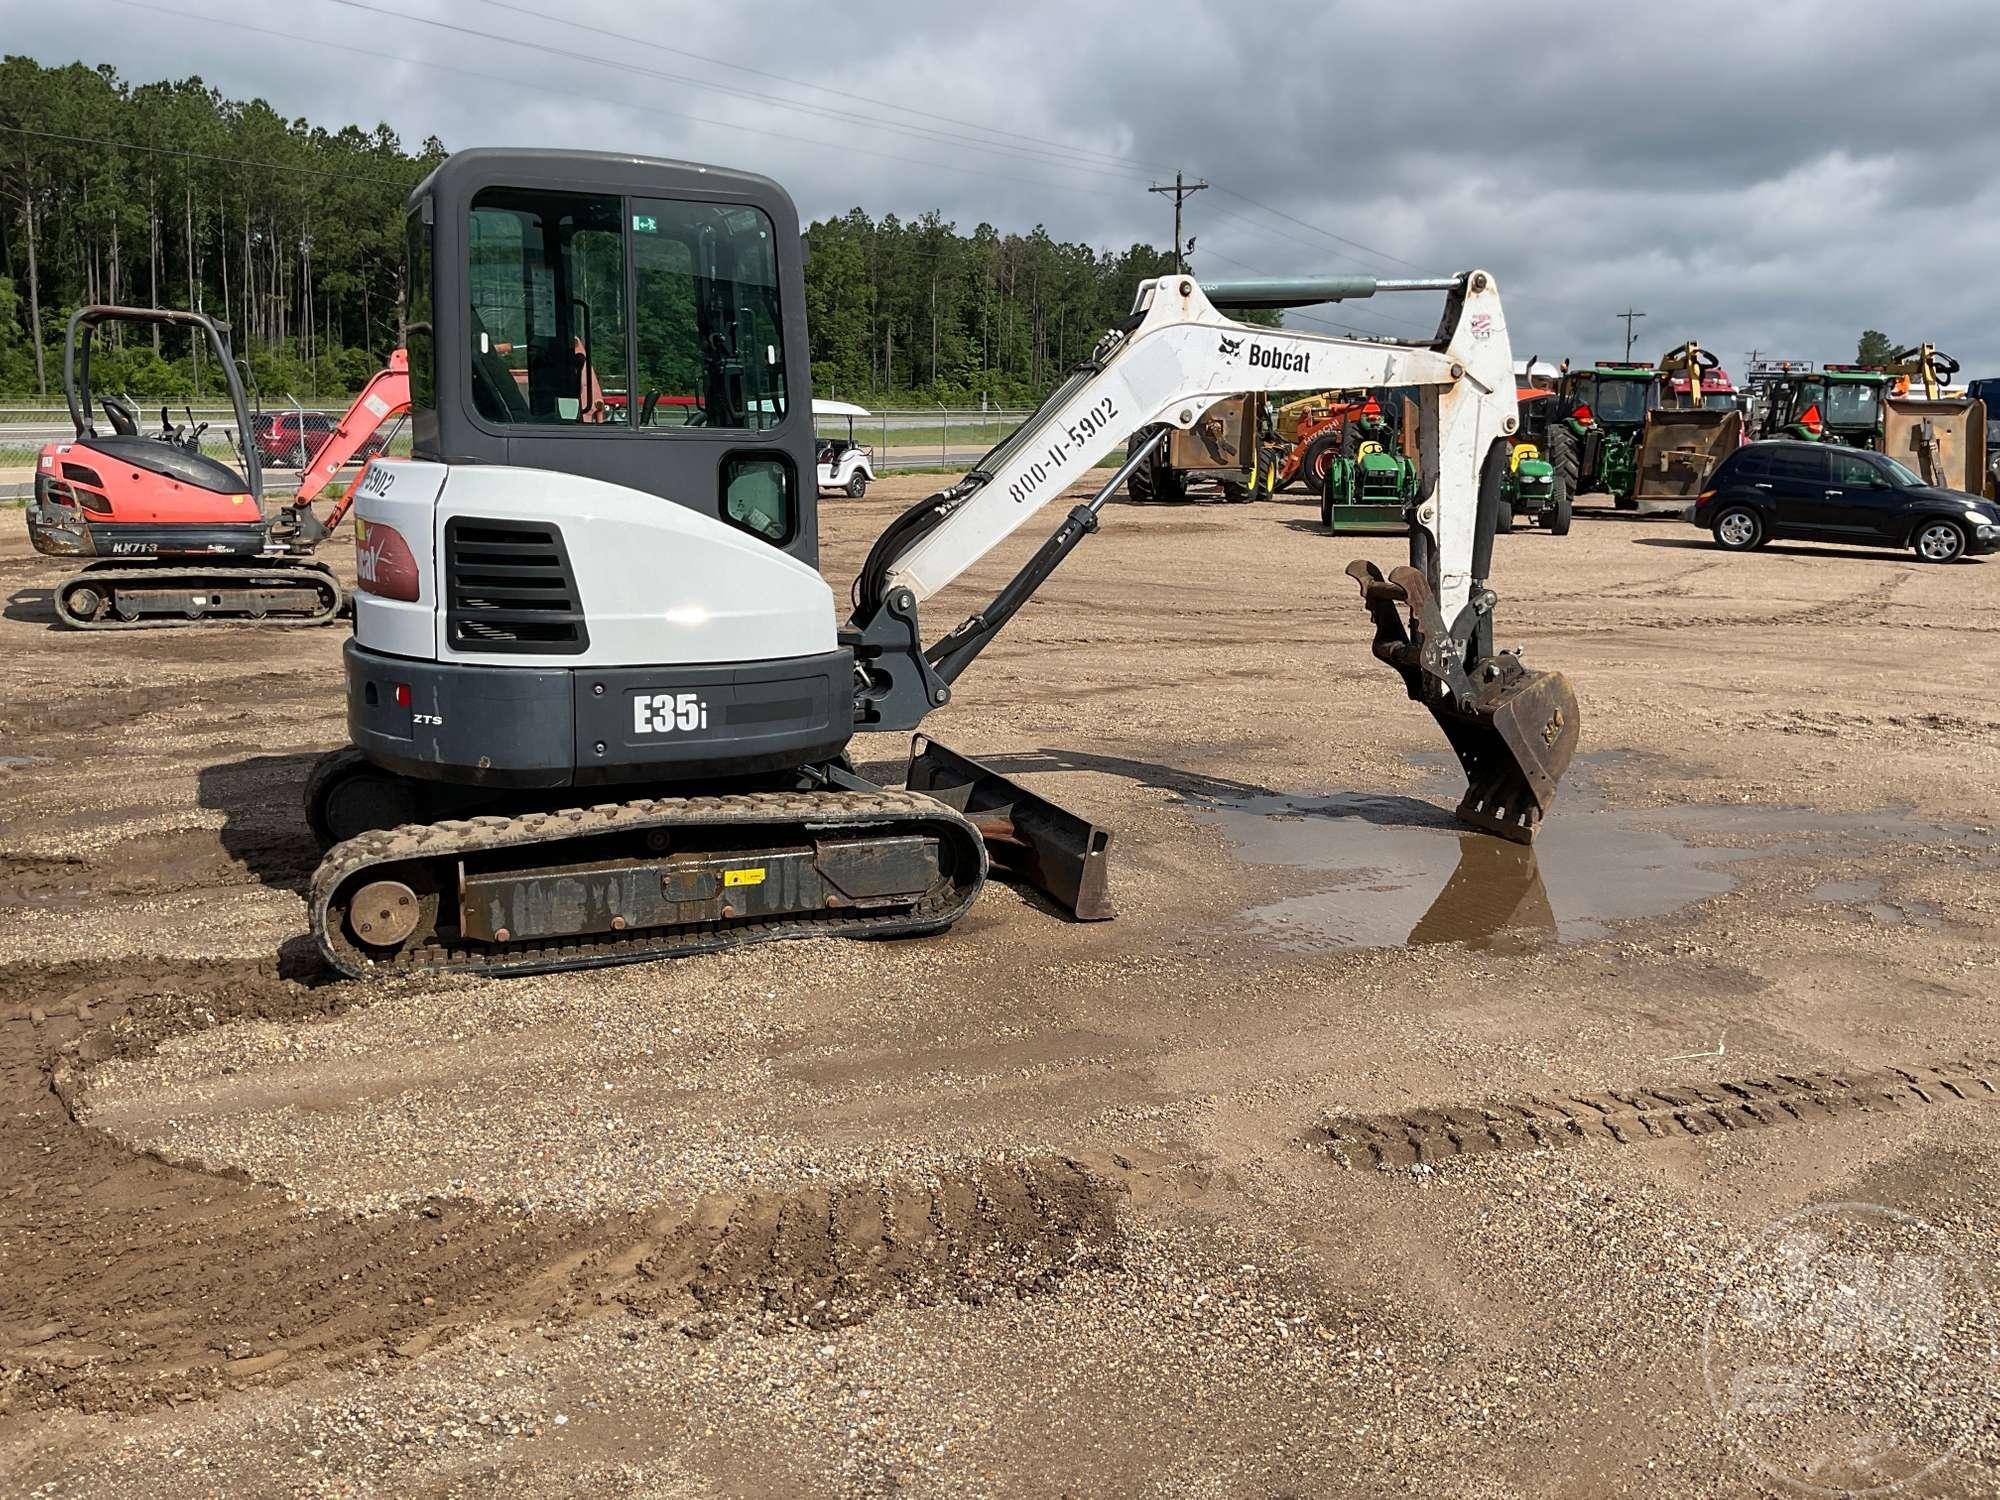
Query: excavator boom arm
x,y
1513,730
386,395
1180,355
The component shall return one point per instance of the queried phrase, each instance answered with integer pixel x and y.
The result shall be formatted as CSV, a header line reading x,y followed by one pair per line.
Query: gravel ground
x,y
1034,1207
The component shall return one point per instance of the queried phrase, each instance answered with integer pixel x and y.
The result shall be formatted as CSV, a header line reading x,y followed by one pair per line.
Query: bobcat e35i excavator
x,y
554,608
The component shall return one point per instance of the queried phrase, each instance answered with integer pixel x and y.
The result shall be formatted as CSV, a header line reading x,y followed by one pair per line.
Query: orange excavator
x,y
180,537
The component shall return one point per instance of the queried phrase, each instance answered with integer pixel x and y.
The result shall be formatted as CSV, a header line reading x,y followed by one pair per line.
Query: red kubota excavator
x,y
181,537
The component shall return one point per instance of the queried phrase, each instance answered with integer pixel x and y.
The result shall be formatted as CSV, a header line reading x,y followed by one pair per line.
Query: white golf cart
x,y
844,465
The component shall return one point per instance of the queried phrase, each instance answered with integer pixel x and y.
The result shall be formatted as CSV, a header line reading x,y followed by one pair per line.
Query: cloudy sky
x,y
1770,176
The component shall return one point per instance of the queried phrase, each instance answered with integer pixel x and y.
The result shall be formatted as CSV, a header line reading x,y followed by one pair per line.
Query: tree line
x,y
170,194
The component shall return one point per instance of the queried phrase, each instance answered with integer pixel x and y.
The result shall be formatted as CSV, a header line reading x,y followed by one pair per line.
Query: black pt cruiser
x,y
1825,492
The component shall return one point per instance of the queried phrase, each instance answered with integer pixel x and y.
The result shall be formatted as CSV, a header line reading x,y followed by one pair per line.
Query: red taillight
x,y
402,695
1705,495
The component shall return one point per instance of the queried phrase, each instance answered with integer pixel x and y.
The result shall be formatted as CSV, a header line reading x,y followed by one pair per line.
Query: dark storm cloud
x,y
1775,176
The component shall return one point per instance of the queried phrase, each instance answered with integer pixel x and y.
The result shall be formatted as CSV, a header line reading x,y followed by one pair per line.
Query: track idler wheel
x,y
1514,730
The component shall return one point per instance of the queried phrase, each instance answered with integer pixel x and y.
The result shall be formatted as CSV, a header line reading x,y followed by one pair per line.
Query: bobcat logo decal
x,y
1231,347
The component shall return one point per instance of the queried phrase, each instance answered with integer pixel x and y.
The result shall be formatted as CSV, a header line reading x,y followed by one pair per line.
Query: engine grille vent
x,y
509,587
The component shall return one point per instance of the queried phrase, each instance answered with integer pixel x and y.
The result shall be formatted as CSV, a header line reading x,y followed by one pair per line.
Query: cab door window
x,y
548,323
711,349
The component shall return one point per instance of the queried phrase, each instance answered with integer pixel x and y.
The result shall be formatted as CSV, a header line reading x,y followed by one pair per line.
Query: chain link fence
x,y
910,438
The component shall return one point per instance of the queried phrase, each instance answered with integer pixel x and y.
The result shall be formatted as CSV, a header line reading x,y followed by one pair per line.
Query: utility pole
x,y
1630,318
1181,191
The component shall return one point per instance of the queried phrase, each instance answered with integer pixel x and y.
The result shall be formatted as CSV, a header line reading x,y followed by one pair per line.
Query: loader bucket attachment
x,y
1045,846
1678,450
1514,745
1514,730
1943,440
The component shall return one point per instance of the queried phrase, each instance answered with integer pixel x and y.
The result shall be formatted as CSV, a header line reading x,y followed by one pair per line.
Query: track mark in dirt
x,y
1631,1117
128,1280
1899,727
78,710
825,1256
1637,588
1850,609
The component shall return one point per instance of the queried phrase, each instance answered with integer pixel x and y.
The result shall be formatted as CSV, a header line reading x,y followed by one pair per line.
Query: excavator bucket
x,y
1045,846
1514,730
1677,452
1943,440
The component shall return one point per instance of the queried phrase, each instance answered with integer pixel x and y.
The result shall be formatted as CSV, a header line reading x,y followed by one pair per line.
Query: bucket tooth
x,y
1047,847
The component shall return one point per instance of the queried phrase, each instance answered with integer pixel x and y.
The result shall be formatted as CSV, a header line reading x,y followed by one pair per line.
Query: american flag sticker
x,y
1482,325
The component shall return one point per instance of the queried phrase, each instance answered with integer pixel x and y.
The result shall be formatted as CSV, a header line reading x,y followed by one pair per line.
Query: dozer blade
x,y
1514,730
1943,440
1678,450
1047,847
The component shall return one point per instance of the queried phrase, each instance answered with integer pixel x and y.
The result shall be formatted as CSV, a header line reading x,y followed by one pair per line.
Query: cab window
x,y
711,347
417,321
1851,404
548,325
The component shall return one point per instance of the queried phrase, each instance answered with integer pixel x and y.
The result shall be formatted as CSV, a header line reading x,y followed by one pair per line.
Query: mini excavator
x,y
599,696
181,538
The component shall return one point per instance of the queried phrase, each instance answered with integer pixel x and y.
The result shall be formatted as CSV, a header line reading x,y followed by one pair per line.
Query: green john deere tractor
x,y
1599,423
1372,482
1530,490
1834,404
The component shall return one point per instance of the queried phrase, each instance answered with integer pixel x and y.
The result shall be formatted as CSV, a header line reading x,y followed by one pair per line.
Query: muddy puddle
x,y
1399,871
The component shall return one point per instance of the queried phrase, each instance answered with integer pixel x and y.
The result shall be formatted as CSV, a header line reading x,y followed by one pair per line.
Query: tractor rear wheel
x,y
1566,459
1153,482
1317,459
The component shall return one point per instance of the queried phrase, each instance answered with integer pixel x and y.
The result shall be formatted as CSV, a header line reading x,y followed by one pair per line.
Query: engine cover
x,y
636,581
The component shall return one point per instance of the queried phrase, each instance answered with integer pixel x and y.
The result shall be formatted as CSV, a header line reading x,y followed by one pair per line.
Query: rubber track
x,y
450,839
318,575
1633,1117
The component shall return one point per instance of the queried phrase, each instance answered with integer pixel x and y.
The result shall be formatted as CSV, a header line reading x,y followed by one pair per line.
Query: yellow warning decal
x,y
744,877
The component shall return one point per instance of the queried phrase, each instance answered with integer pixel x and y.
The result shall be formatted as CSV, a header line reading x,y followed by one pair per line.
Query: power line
x,y
587,58
920,133
1040,154
651,109
1338,238
1121,164
821,88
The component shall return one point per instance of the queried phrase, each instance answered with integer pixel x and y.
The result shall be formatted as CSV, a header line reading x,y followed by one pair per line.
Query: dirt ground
x,y
1355,1157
